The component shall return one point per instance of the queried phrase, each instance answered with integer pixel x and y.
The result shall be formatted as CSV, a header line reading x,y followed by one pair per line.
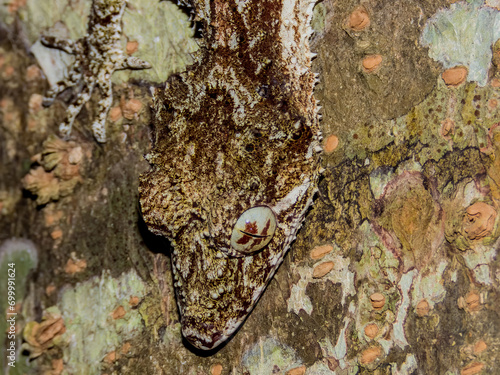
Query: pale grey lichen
x,y
408,366
340,274
429,286
463,35
404,286
268,353
91,331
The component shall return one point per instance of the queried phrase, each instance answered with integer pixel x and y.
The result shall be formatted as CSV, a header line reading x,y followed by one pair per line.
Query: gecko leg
x,y
99,126
73,76
74,109
66,45
132,62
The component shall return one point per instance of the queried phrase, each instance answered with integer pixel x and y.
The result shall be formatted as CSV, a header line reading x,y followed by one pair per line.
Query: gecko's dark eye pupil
x,y
249,148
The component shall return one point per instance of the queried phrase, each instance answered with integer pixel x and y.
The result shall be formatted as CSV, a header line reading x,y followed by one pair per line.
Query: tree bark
x,y
395,269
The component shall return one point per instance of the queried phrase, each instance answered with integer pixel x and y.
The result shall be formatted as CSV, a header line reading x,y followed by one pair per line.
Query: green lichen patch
x,y
166,45
92,328
165,36
269,354
17,258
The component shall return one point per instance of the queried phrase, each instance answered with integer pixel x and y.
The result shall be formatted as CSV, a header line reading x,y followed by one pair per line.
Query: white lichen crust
x,y
238,129
97,56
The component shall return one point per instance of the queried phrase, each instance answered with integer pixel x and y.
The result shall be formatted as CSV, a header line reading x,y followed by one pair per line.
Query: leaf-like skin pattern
x,y
238,129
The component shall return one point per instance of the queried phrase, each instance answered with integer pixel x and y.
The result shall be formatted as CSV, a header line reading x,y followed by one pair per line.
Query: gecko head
x,y
229,187
230,220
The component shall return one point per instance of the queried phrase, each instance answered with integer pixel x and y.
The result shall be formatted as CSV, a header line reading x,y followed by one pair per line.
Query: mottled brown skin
x,y
237,130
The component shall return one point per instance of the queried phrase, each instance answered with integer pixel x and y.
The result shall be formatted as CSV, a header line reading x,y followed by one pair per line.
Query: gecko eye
x,y
253,230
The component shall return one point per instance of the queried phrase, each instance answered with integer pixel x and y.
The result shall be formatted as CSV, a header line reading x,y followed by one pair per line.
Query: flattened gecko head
x,y
215,292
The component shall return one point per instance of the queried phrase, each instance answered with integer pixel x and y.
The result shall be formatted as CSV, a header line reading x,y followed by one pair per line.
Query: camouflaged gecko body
x,y
97,56
238,129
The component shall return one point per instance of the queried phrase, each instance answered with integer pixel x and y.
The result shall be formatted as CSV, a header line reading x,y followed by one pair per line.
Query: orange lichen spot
x,y
132,47
492,104
371,63
126,348
10,114
377,300
495,82
320,251
479,347
371,330
115,114
297,371
454,76
330,144
216,369
131,108
75,155
52,216
35,103
472,368
57,366
110,357
14,5
118,313
33,72
423,308
447,128
8,71
32,124
322,269
479,220
369,355
473,301
56,234
133,301
51,288
75,266
359,19
40,336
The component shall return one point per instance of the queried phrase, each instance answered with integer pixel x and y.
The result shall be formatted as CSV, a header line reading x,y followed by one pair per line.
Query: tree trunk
x,y
395,269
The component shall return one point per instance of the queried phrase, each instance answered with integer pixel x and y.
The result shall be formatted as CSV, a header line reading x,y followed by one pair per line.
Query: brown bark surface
x,y
395,270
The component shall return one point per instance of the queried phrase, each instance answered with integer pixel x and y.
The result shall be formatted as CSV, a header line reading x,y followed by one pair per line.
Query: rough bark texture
x,y
395,270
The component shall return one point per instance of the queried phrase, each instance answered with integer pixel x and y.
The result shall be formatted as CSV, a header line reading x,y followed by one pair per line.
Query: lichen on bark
x,y
395,269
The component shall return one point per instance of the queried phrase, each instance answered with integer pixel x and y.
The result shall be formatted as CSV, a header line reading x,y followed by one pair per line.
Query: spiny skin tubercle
x,y
97,56
238,129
